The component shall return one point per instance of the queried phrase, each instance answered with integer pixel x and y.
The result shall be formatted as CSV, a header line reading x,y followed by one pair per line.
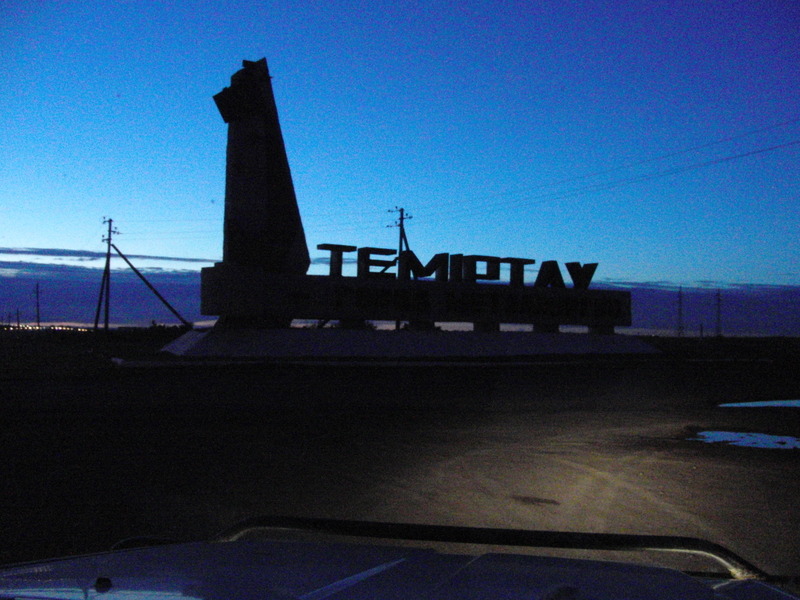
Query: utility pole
x,y
718,331
403,240
104,299
680,311
401,223
105,284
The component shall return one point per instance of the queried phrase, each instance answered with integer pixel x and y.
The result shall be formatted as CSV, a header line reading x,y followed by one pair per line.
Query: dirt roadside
x,y
94,454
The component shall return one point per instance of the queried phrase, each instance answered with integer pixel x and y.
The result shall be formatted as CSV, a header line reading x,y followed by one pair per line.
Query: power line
x,y
360,223
701,165
638,179
152,289
219,220
354,223
678,152
643,161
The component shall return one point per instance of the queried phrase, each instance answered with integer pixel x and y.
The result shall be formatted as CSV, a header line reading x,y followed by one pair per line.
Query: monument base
x,y
341,344
242,295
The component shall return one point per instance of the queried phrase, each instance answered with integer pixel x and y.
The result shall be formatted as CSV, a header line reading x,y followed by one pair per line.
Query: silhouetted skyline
x,y
69,295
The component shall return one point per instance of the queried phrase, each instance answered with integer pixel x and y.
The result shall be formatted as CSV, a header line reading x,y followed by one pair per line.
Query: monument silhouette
x,y
262,284
262,221
263,232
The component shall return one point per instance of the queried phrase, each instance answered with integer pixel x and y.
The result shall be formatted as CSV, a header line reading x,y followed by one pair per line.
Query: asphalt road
x,y
600,446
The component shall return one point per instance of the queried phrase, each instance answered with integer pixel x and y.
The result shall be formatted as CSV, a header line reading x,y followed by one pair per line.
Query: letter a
x,y
549,275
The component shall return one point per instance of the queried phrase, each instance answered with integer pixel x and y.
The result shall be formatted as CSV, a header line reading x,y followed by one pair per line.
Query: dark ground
x,y
92,454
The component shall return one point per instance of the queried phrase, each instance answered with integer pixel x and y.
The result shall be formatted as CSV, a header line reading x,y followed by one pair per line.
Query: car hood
x,y
283,569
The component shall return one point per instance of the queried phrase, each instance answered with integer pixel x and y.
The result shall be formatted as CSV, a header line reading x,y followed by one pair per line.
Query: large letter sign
x,y
455,268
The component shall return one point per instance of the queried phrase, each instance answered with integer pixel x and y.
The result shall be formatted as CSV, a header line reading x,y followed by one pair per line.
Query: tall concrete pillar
x,y
263,232
262,221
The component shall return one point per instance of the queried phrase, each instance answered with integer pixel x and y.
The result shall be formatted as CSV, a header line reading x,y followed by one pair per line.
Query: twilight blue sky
x,y
660,139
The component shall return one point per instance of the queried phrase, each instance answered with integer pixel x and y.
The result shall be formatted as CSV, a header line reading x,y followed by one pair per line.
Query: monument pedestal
x,y
435,347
